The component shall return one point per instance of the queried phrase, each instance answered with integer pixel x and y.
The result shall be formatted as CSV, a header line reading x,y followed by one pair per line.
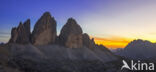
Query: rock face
x,y
87,42
27,27
44,31
71,35
21,34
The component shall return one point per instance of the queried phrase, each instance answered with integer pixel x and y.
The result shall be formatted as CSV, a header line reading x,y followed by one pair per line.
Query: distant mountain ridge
x,y
139,49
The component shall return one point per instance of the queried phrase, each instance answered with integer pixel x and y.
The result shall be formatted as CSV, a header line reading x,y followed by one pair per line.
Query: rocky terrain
x,y
44,51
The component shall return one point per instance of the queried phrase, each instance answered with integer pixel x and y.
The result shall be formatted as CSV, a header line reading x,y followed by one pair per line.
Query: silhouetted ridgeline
x,y
139,50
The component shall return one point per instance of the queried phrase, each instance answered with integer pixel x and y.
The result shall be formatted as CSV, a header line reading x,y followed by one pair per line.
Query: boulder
x,y
44,30
71,35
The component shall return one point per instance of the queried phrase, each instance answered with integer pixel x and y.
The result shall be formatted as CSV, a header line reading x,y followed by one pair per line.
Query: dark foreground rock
x,y
55,58
65,66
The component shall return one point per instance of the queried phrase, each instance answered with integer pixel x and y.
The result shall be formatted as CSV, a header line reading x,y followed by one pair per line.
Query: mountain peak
x,y
139,49
46,14
21,34
71,27
44,33
44,30
71,21
71,34
139,41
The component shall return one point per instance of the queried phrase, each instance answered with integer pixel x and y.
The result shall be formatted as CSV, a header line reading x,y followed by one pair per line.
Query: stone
x,y
74,41
71,35
21,34
27,27
89,43
14,35
44,32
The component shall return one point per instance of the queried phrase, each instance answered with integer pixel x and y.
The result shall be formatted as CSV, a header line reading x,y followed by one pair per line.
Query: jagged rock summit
x,y
89,43
21,34
44,33
71,34
44,30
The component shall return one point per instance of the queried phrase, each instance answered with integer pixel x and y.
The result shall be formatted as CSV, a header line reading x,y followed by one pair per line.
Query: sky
x,y
113,23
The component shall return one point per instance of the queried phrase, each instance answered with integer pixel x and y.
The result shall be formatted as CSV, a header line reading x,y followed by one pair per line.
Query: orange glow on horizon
x,y
113,42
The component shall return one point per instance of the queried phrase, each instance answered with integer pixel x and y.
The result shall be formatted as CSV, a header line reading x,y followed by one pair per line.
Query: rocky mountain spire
x,y
44,30
44,33
89,43
71,34
21,34
27,27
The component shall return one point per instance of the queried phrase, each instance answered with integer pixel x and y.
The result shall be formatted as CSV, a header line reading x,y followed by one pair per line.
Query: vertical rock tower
x,y
44,30
21,34
44,33
71,35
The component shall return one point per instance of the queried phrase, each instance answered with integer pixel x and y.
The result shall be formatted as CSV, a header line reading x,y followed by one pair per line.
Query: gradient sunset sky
x,y
113,23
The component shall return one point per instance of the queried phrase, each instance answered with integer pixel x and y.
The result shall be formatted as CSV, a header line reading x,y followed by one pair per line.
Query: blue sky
x,y
99,18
